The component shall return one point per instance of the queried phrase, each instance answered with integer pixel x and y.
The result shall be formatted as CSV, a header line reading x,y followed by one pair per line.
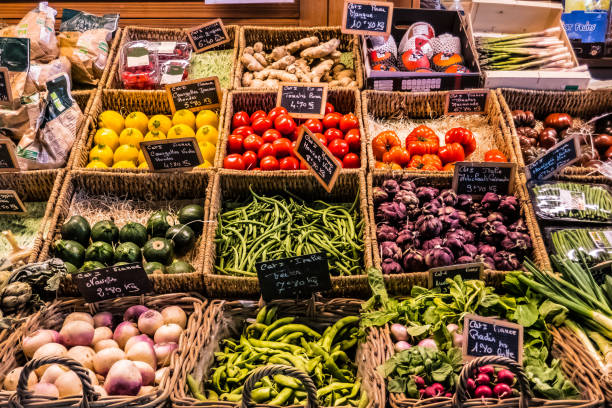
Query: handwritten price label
x,y
367,17
113,282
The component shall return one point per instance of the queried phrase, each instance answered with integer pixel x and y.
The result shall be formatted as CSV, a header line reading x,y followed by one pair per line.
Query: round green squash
x,y
105,231
154,268
70,251
180,267
182,236
158,223
158,250
100,251
133,232
193,216
76,228
128,252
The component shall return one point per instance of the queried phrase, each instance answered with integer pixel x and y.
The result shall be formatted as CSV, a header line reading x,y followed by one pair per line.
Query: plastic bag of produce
x,y
39,74
15,56
50,147
84,38
21,117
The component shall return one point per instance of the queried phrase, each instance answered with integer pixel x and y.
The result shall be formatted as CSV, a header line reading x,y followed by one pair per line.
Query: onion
x,y
145,390
31,343
12,378
52,373
48,350
83,355
402,345
163,352
133,312
123,332
79,316
45,390
100,390
143,351
428,343
146,371
69,384
174,314
104,359
123,379
103,344
136,339
399,332
159,374
150,321
168,333
103,319
77,333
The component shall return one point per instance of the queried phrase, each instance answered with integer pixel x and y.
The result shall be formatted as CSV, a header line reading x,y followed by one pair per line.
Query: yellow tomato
x,y
112,120
154,135
207,117
180,130
108,137
205,164
126,153
141,158
208,151
131,136
161,123
207,133
96,164
137,120
124,164
185,117
102,153
143,165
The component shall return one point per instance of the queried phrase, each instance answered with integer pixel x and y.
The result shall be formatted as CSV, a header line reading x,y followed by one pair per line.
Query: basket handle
x,y
89,394
270,370
461,395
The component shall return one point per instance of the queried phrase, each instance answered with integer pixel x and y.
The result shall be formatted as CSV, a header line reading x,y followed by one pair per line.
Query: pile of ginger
x,y
305,60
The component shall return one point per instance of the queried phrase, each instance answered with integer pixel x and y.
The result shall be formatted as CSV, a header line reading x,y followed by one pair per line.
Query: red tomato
x,y
398,155
271,135
296,133
314,125
269,163
451,152
252,142
289,163
234,143
260,125
240,119
348,122
331,120
250,159
274,113
495,155
234,161
338,147
353,138
329,108
282,147
333,134
243,131
267,149
462,136
258,114
351,161
322,138
285,124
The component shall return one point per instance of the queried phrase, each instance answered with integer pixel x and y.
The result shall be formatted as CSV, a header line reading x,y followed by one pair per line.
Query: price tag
x,y
208,35
478,178
483,336
303,101
8,158
113,282
293,278
469,271
558,157
195,95
6,94
460,102
172,154
318,158
367,17
10,203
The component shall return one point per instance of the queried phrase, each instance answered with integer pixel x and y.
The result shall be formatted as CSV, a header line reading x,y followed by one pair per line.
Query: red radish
x,y
439,388
471,384
483,391
502,390
419,381
430,392
448,395
428,343
422,393
505,376
487,369
399,332
483,379
452,327
402,345
457,340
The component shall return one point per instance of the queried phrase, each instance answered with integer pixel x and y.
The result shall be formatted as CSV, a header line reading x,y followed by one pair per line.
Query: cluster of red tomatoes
x,y
266,141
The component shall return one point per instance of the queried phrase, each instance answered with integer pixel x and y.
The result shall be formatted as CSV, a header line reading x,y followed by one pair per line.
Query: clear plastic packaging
x,y
139,67
173,71
171,50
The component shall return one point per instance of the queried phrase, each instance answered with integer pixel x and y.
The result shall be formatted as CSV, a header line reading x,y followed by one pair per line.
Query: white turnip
x,y
136,339
168,333
133,312
150,321
77,333
31,343
159,375
105,358
102,344
52,373
144,352
83,355
124,331
103,319
45,390
69,384
145,390
48,350
123,379
12,378
100,390
174,314
147,373
163,352
79,316
101,333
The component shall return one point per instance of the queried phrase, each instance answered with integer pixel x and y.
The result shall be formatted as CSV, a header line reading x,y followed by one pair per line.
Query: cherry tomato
x,y
274,113
243,131
331,120
252,142
260,125
338,147
314,125
234,143
351,161
269,163
250,159
267,149
258,114
332,134
285,124
348,122
240,119
329,108
289,163
353,138
282,147
271,135
495,155
234,161
322,138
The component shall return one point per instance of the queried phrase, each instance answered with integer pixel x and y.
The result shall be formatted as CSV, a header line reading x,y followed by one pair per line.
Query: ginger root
x,y
281,75
247,79
283,63
261,58
258,47
257,83
271,83
304,43
250,62
321,50
320,70
278,53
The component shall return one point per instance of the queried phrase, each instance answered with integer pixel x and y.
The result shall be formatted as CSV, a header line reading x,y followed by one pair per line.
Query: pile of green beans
x,y
597,201
268,228
580,242
326,358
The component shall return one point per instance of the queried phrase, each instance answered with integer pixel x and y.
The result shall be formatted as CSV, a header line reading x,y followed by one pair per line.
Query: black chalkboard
x,y
113,282
303,101
8,160
172,154
324,165
478,178
195,95
10,203
208,35
293,278
555,159
458,102
6,95
367,17
483,336
438,276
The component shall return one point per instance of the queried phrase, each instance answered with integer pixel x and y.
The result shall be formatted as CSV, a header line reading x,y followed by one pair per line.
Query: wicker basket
x,y
229,186
133,33
273,37
402,283
53,316
150,191
124,102
581,104
345,100
225,319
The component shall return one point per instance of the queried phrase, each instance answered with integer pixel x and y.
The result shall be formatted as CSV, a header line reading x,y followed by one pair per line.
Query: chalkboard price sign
x,y
460,102
195,95
478,178
438,276
293,278
8,159
172,154
10,203
113,282
555,159
208,35
323,164
484,336
303,101
367,17
6,95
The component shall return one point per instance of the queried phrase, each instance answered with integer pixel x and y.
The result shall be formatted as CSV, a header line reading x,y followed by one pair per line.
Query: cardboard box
x,y
513,17
443,22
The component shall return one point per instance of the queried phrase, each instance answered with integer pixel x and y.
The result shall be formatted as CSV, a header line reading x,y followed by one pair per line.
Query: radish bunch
x,y
489,383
